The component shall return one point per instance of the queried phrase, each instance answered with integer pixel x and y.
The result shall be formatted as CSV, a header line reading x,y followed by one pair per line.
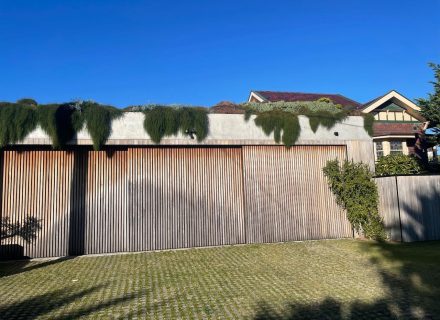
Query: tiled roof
x,y
389,128
273,96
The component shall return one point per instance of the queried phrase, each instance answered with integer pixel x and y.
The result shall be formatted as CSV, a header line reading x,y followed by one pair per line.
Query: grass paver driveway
x,y
335,279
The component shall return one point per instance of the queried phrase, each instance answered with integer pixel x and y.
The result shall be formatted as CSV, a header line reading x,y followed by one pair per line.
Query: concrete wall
x,y
232,129
224,128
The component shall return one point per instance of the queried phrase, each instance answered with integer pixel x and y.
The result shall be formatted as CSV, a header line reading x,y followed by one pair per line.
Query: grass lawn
x,y
333,279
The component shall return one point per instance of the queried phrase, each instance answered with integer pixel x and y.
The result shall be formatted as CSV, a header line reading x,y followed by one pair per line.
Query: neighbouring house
x,y
397,119
397,124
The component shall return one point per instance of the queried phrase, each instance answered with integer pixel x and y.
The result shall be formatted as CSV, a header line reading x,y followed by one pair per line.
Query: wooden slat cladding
x,y
79,196
185,197
151,198
37,183
389,206
409,206
287,195
105,201
419,199
1,181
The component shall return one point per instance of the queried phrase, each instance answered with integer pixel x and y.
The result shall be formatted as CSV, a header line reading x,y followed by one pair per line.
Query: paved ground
x,y
309,280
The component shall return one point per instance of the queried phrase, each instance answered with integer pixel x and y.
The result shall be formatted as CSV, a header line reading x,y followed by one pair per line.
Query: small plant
x,y
356,192
161,121
26,230
397,164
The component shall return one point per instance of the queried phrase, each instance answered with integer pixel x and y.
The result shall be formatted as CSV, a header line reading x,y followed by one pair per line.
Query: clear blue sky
x,y
202,52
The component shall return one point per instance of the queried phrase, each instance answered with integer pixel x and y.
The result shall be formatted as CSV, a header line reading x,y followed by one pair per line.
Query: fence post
x,y
1,182
243,190
398,209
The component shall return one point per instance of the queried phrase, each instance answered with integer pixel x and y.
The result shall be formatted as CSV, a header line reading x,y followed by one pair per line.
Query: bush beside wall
x,y
397,164
356,192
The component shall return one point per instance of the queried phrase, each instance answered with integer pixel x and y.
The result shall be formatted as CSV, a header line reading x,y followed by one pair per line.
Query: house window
x,y
379,149
396,147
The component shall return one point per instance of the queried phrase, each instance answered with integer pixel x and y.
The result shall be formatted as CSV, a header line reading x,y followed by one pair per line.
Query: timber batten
x,y
153,198
410,207
287,194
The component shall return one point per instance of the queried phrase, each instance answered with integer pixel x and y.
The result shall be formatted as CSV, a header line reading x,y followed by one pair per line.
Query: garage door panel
x,y
287,196
181,197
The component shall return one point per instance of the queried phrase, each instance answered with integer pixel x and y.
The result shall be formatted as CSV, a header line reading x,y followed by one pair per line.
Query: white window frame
x,y
379,151
398,150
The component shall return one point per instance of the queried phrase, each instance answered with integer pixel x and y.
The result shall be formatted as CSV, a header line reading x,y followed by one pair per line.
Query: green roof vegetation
x,y
63,121
16,122
98,120
281,118
161,121
368,123
284,125
60,121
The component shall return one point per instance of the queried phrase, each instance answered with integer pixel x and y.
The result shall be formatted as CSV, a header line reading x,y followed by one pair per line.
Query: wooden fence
x,y
149,198
410,206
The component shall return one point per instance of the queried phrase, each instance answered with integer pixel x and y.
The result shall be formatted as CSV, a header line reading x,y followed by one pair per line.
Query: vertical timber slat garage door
x,y
36,183
152,198
287,196
185,197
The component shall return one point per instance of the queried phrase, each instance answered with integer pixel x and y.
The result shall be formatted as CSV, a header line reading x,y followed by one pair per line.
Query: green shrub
x,y
59,121
196,119
284,126
324,118
16,122
356,192
98,120
27,102
281,117
368,123
397,164
161,121
56,121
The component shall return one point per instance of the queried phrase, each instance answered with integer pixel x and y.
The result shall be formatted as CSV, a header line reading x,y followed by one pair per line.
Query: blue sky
x,y
202,52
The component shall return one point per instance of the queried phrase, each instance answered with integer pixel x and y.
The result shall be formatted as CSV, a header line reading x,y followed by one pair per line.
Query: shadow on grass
x,y
9,268
410,274
328,309
44,304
